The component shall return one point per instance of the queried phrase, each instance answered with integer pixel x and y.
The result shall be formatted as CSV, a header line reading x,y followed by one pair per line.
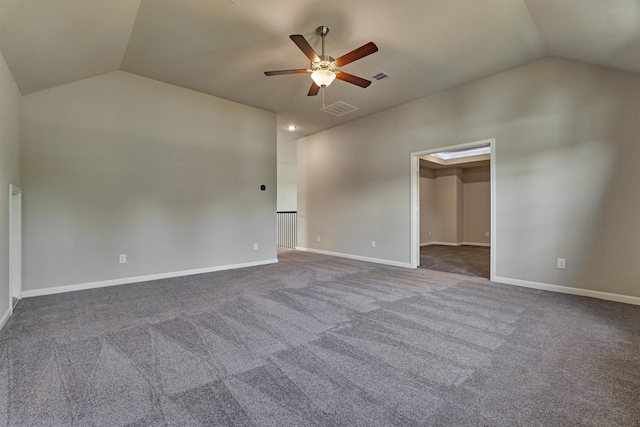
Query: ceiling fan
x,y
323,68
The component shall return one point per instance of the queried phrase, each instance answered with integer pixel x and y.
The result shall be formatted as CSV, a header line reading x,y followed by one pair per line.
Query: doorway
x,y
450,158
15,244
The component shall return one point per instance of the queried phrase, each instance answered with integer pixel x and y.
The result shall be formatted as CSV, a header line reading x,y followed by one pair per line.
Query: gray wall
x,y
123,164
9,169
477,204
566,165
428,211
448,205
287,173
455,205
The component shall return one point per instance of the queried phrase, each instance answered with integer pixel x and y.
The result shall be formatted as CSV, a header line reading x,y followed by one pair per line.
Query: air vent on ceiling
x,y
381,77
339,108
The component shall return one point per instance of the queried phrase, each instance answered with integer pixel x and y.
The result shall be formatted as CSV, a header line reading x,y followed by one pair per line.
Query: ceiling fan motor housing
x,y
326,63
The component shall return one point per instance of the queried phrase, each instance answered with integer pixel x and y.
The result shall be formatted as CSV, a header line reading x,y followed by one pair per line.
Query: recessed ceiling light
x,y
291,127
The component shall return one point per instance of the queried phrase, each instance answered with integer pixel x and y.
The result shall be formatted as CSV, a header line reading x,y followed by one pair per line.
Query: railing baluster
x,y
287,229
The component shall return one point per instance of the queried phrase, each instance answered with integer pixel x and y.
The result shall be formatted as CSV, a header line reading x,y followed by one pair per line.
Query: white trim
x,y
569,290
414,223
356,257
137,279
414,212
5,317
15,249
486,245
494,211
446,244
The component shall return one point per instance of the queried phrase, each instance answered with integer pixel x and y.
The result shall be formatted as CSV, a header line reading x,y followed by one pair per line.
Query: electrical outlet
x,y
373,243
123,258
318,238
255,246
562,263
429,232
486,234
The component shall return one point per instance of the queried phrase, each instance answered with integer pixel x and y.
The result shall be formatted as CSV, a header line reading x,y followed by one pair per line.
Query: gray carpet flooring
x,y
316,340
467,260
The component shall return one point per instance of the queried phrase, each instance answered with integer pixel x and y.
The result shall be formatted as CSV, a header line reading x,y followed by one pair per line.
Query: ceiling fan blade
x,y
350,78
282,72
314,89
305,47
354,55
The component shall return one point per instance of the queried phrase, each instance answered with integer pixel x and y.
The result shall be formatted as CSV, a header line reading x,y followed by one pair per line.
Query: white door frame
x,y
15,244
415,197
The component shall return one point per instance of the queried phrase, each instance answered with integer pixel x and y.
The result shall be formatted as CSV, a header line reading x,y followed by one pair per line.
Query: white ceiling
x,y
222,48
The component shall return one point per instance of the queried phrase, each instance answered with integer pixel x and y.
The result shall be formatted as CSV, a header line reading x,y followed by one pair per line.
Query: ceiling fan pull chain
x,y
322,98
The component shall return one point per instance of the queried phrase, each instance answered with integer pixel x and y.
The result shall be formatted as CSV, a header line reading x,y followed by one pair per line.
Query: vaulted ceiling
x,y
222,47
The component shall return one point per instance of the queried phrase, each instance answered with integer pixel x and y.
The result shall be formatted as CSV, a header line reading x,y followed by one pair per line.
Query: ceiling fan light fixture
x,y
323,78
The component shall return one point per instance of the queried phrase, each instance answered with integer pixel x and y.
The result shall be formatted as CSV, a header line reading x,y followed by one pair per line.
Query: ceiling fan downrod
x,y
322,32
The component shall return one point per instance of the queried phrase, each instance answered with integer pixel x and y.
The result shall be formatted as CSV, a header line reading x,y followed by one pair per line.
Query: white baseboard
x,y
356,257
487,245
137,279
484,245
569,290
5,317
